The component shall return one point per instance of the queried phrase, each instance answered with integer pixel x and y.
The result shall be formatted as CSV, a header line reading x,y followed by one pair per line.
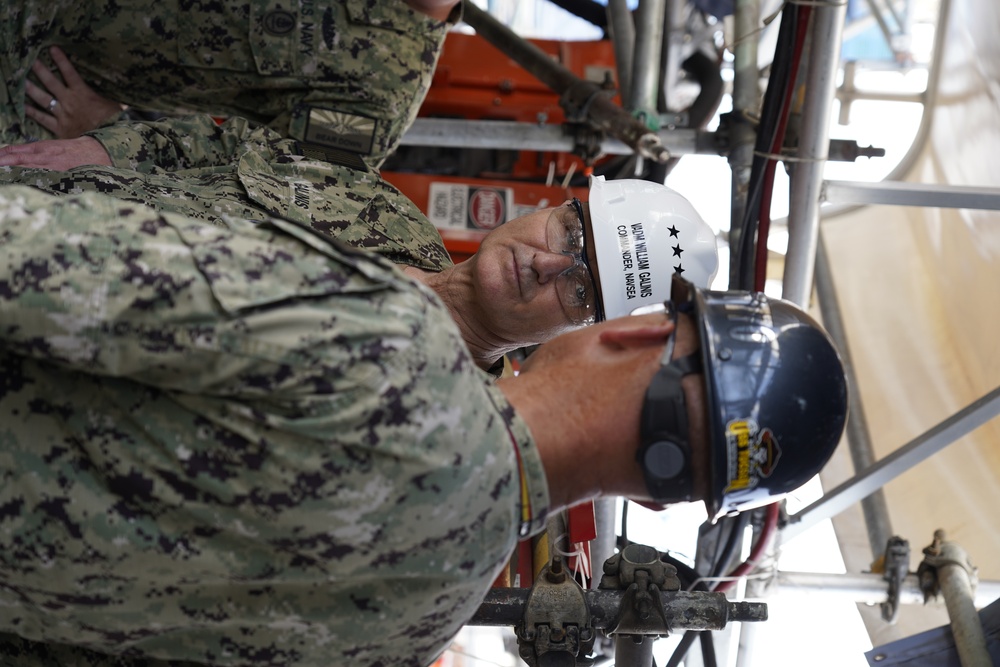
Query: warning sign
x,y
459,206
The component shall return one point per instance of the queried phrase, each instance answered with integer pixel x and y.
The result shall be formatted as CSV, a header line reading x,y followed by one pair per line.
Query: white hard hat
x,y
643,233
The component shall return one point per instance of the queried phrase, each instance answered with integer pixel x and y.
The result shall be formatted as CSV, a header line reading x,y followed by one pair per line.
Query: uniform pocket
x,y
277,31
261,38
258,266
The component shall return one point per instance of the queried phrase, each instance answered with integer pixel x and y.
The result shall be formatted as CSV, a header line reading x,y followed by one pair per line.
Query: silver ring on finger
x,y
53,103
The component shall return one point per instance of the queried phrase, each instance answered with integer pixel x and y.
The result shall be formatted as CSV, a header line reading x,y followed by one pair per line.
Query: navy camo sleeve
x,y
117,289
174,144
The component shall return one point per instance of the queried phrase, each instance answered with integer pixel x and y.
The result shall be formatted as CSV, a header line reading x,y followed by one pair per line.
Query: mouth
x,y
517,274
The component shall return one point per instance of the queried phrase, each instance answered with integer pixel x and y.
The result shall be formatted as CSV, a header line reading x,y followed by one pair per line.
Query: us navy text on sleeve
x,y
306,28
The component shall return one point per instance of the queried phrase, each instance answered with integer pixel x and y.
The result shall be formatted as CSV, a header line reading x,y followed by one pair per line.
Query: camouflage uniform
x,y
345,74
251,173
247,446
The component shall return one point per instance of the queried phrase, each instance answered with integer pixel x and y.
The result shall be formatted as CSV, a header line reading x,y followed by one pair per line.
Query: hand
x,y
55,154
67,107
438,10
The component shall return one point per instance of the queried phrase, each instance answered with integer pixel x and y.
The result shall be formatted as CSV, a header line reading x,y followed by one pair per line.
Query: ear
x,y
636,331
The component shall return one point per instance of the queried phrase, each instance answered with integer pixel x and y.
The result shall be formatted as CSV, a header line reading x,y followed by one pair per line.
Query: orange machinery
x,y
468,192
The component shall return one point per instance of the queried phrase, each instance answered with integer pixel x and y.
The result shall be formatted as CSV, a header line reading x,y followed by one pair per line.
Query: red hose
x,y
764,218
763,542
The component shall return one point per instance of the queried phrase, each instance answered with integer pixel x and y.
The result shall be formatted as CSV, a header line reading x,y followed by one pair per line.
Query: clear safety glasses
x,y
565,233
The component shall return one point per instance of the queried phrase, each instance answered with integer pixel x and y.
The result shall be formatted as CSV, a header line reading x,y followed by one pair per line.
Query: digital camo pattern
x,y
269,61
253,174
236,447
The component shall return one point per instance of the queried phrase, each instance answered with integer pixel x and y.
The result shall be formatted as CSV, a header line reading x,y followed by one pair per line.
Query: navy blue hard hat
x,y
776,400
777,397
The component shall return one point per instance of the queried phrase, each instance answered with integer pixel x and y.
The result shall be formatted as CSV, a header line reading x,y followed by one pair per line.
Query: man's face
x,y
619,358
523,283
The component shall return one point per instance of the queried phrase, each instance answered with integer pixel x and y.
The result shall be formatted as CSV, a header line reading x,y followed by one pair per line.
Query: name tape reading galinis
x,y
635,261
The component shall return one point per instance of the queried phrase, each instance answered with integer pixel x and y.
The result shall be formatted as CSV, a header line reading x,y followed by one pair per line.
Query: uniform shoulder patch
x,y
338,129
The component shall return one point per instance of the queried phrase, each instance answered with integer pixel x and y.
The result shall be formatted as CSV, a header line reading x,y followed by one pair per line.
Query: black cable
x,y
733,543
624,537
777,85
720,562
685,573
682,648
707,648
706,71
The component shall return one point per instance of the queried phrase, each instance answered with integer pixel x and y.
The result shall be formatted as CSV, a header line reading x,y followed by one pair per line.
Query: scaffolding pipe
x,y
743,137
814,142
875,477
602,547
928,98
634,651
882,25
649,19
685,611
900,21
746,102
673,50
863,588
953,577
513,135
622,30
874,507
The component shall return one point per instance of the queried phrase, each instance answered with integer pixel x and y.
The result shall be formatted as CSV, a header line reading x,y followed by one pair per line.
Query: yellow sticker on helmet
x,y
753,454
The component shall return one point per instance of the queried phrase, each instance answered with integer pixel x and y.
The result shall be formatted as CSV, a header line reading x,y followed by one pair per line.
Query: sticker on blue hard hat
x,y
753,454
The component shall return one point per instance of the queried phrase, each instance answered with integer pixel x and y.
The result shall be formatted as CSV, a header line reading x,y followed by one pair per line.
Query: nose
x,y
548,265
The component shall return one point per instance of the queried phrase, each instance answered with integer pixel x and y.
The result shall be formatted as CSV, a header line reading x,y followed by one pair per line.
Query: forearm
x,y
173,144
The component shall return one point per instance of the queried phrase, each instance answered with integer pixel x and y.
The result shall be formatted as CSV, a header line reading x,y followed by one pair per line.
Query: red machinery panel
x,y
475,81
